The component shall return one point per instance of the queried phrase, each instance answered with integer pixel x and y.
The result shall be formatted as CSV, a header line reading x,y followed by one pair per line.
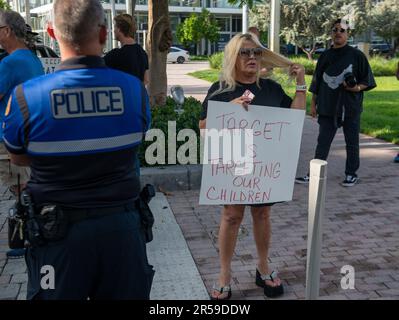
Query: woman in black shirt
x,y
242,63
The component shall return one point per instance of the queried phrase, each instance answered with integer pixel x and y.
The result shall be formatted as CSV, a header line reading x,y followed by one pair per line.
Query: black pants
x,y
327,131
102,258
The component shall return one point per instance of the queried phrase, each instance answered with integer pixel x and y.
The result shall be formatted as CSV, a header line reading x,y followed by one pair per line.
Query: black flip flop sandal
x,y
270,292
221,290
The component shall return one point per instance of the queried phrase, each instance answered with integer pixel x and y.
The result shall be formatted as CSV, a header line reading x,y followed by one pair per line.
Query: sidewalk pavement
x,y
177,76
361,229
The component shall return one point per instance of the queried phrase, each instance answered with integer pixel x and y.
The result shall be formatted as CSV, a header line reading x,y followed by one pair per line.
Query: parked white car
x,y
178,55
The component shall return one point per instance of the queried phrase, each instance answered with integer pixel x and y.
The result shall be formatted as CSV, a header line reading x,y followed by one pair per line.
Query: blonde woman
x,y
244,57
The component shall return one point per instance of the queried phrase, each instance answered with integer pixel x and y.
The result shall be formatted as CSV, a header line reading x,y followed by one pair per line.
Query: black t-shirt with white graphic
x,y
330,72
268,93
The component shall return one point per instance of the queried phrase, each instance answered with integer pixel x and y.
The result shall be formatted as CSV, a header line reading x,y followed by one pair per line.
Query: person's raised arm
x,y
298,71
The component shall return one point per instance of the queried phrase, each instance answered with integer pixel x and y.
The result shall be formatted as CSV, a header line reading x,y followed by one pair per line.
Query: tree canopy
x,y
4,4
197,27
385,20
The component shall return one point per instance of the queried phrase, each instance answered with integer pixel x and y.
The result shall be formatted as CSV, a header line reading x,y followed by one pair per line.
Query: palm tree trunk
x,y
159,42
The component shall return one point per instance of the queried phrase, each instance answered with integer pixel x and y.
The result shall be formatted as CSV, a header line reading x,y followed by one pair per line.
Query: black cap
x,y
29,30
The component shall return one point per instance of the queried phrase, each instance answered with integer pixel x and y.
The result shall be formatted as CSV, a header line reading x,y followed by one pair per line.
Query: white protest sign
x,y
49,64
268,172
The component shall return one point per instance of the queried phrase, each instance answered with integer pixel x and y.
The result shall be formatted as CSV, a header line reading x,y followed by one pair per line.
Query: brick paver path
x,y
361,229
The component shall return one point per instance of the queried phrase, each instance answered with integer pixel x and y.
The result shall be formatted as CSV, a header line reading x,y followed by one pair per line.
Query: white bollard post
x,y
317,194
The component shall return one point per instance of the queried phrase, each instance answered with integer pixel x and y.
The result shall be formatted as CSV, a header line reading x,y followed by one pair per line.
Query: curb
x,y
172,178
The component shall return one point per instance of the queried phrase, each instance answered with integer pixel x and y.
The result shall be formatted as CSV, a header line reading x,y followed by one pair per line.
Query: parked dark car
x,y
380,48
42,51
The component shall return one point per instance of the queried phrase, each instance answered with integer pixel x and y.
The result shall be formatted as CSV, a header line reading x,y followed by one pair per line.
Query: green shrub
x,y
383,67
380,66
216,60
188,118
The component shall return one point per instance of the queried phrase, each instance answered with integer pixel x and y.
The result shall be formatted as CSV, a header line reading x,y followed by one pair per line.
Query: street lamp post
x,y
129,7
275,26
113,14
27,12
244,18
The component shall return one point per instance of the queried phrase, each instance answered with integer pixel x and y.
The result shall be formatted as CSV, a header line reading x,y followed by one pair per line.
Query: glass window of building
x,y
237,24
185,3
222,4
224,23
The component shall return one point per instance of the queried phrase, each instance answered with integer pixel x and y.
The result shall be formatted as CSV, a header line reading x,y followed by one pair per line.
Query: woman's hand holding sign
x,y
245,99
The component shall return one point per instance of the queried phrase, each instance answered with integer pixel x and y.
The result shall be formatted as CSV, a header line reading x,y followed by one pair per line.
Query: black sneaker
x,y
302,180
350,181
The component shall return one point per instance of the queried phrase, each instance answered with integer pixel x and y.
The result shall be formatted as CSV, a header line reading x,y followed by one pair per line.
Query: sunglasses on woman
x,y
335,30
249,52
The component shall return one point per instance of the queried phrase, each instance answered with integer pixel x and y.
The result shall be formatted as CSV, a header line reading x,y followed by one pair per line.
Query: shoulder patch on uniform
x,y
8,109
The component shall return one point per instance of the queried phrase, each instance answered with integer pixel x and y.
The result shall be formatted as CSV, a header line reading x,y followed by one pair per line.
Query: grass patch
x,y
380,118
381,110
211,75
198,58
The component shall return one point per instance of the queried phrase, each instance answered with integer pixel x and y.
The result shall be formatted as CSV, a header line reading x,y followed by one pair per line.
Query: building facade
x,y
228,17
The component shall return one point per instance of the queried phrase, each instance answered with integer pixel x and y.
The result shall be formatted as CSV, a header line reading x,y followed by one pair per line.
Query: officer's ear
x,y
103,35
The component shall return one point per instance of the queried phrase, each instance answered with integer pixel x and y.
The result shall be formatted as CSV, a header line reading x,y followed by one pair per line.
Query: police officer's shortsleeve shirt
x,y
329,75
86,122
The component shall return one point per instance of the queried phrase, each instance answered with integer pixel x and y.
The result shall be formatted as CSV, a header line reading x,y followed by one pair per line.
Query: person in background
x,y
17,64
131,57
20,64
342,75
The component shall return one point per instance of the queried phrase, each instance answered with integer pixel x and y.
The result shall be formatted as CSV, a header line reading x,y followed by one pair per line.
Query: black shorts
x,y
256,205
260,205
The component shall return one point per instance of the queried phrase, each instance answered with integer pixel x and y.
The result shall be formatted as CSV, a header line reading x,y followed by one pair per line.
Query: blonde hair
x,y
269,59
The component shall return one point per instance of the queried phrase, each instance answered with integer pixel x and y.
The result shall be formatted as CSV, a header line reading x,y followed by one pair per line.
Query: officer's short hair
x,y
126,24
77,21
15,22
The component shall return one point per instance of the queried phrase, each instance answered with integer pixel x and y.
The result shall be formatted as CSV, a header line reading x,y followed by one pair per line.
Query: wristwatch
x,y
301,87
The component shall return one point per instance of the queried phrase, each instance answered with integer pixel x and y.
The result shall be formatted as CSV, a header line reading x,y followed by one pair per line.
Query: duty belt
x,y
75,215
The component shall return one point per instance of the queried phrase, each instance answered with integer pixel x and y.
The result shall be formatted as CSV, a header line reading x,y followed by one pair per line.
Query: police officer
x,y
79,129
